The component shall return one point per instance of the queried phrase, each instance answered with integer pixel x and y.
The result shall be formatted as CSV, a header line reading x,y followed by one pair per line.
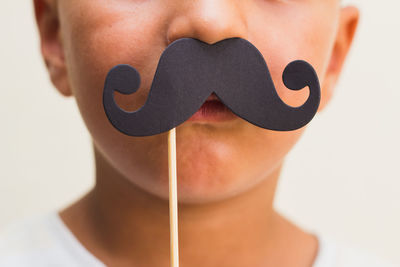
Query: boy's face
x,y
215,159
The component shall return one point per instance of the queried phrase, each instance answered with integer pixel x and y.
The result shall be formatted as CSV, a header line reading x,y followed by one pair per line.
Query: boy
x,y
227,168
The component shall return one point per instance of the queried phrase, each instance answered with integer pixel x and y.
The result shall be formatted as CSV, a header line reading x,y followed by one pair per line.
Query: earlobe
x,y
51,44
348,22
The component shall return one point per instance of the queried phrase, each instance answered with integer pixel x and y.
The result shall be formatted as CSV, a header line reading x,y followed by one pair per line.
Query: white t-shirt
x,y
45,241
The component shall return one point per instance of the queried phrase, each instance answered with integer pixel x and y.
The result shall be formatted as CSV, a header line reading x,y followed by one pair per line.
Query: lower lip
x,y
213,111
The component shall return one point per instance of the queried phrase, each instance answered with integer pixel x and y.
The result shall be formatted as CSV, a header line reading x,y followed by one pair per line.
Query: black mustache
x,y
190,70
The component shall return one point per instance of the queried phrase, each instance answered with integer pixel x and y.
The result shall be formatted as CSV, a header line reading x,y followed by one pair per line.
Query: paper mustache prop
x,y
190,70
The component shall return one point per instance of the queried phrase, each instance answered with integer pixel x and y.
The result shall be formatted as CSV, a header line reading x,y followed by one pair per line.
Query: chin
x,y
209,165
204,176
208,174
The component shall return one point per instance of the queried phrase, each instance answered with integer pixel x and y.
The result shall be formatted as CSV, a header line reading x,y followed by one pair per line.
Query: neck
x,y
121,221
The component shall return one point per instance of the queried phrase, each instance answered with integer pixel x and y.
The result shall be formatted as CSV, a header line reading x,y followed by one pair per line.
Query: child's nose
x,y
208,20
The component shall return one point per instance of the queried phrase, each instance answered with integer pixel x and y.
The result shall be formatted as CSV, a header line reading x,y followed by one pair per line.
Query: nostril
x,y
179,28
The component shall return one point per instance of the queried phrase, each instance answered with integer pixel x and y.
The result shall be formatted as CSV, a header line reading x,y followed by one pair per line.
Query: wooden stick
x,y
173,199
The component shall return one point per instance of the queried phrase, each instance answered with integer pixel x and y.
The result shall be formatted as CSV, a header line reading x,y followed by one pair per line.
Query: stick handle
x,y
173,199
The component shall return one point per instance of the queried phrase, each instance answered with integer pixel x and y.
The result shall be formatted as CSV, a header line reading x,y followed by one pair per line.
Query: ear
x,y
349,17
51,44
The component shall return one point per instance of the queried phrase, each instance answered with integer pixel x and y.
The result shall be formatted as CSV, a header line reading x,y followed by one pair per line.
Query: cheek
x,y
94,42
283,40
106,36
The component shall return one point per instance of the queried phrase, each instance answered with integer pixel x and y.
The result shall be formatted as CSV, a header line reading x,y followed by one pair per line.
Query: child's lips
x,y
213,110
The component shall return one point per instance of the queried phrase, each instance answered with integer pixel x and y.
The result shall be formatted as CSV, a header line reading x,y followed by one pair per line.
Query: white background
x,y
342,179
